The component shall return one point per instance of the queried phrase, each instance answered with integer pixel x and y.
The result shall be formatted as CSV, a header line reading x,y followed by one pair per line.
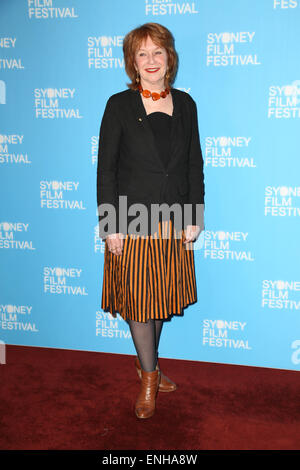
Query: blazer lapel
x,y
141,117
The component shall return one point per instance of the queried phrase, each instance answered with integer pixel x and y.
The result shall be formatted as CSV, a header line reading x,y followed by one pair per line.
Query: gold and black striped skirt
x,y
153,278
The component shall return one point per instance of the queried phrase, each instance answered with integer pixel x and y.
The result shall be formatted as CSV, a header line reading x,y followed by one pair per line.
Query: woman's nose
x,y
151,58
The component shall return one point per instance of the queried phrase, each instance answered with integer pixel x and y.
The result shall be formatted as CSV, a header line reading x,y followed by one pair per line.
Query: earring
x,y
167,75
137,78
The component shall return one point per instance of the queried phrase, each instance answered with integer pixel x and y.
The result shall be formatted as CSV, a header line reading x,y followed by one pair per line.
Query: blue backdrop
x,y
239,60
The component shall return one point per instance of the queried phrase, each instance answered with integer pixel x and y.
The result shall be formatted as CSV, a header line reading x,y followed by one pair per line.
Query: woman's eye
x,y
158,52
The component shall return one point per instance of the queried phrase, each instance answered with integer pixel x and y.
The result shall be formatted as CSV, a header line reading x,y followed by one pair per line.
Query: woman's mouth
x,y
152,70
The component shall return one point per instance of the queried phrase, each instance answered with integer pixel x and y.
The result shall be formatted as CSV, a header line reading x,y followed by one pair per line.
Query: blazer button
x,y
167,174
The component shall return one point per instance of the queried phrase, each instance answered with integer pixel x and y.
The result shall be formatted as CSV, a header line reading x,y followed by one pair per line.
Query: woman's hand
x,y
191,233
115,243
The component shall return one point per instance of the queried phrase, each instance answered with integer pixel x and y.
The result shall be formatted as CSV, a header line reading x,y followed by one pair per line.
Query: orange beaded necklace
x,y
154,96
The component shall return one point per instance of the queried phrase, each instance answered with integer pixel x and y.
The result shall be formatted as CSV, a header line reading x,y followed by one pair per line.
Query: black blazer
x,y
129,163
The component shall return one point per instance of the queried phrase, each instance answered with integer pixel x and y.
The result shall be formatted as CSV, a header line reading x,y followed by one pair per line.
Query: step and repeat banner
x,y
239,60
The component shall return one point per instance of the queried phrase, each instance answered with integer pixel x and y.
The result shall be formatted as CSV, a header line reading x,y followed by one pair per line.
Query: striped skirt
x,y
153,278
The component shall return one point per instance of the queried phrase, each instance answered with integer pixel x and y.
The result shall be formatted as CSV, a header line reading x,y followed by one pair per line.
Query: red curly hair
x,y
161,36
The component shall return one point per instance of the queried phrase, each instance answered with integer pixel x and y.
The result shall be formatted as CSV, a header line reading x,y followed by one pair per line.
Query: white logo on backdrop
x,y
53,195
220,245
49,9
49,102
17,317
10,63
282,201
186,90
224,334
168,7
63,281
228,49
109,327
2,92
221,152
284,4
280,294
284,101
12,236
105,52
99,244
10,157
94,149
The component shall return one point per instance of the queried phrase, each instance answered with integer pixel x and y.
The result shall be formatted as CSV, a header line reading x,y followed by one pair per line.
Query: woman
x,y
149,151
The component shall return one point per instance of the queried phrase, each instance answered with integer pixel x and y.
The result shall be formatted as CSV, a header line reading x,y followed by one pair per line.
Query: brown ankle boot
x,y
145,404
165,384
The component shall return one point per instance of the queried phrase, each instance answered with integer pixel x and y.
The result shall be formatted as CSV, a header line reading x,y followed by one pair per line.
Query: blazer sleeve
x,y
196,173
107,168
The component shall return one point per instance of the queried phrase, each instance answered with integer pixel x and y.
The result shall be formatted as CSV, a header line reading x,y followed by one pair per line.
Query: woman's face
x,y
151,61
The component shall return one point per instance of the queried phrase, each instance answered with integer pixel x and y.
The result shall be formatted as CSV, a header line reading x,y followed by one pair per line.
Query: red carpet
x,y
62,399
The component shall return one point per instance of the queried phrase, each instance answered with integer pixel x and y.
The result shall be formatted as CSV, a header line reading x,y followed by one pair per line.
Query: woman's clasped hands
x,y
115,242
191,233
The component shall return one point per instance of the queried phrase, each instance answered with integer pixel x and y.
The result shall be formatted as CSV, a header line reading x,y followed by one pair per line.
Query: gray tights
x,y
146,337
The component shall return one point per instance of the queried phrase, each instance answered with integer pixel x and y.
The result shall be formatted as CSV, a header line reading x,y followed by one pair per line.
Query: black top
x,y
129,164
161,127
